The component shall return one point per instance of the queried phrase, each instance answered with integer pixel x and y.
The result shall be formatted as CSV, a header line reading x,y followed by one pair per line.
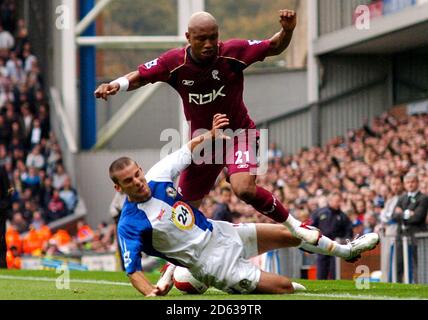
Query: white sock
x,y
167,278
327,247
292,223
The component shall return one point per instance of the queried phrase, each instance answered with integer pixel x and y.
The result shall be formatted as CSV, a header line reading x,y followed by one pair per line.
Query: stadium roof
x,y
387,34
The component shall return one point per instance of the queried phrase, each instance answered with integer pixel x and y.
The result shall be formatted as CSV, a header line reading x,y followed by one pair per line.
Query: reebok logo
x,y
188,82
201,99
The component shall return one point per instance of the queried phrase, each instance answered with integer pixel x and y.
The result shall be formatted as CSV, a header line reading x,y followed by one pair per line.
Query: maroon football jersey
x,y
207,89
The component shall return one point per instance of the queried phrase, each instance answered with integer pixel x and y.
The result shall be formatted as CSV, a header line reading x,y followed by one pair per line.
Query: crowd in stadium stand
x,y
359,166
32,156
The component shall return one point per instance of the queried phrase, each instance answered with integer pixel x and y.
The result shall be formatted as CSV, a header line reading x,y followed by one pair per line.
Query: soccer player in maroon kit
x,y
208,75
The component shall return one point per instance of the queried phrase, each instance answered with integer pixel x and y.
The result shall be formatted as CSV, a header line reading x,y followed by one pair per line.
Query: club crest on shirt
x,y
171,192
215,75
182,216
245,284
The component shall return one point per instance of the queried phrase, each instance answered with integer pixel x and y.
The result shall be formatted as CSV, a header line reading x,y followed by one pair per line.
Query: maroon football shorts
x,y
237,155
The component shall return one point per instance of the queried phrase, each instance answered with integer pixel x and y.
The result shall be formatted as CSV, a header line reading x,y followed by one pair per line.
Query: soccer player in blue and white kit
x,y
156,220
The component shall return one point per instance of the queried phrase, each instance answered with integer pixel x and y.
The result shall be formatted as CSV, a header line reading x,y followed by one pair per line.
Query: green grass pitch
x,y
93,285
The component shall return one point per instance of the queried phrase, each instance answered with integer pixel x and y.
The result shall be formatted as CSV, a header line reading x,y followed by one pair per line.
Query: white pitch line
x,y
321,295
345,295
358,296
112,283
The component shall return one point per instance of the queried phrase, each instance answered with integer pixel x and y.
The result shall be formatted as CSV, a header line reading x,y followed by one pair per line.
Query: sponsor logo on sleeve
x,y
253,42
151,64
188,83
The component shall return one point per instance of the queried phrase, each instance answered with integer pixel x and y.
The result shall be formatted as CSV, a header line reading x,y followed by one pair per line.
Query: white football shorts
x,y
224,262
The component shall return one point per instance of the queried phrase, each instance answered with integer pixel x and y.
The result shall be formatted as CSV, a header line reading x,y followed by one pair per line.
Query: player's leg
x,y
244,186
273,283
196,181
275,236
242,166
225,265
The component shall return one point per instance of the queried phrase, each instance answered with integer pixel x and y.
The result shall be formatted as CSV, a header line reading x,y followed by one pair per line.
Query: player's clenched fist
x,y
106,89
287,19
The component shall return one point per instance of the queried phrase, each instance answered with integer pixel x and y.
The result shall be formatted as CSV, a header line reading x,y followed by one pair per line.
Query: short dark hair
x,y
117,165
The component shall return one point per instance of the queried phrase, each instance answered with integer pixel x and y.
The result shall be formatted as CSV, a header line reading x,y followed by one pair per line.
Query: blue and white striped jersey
x,y
163,226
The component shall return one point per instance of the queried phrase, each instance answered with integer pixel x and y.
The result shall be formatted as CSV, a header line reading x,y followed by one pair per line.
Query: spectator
x,y
7,41
27,118
8,15
18,222
388,225
69,195
43,117
53,158
35,158
13,258
29,60
31,180
357,228
274,152
5,130
222,211
59,176
36,133
116,205
84,234
15,69
46,192
333,224
56,207
410,214
37,221
32,244
115,211
4,157
370,222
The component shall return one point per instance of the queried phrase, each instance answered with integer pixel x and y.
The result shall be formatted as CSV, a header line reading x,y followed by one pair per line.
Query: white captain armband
x,y
123,83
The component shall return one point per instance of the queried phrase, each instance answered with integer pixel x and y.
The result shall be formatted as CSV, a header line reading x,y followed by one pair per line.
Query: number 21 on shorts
x,y
239,157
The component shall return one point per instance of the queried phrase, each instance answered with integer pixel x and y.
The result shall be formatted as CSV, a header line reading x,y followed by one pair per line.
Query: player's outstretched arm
x,y
142,284
129,82
280,41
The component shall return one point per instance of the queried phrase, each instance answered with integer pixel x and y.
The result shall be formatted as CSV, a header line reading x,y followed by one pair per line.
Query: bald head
x,y
203,37
201,20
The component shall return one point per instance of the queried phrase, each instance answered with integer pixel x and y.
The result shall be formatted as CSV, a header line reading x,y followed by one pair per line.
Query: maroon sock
x,y
265,203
